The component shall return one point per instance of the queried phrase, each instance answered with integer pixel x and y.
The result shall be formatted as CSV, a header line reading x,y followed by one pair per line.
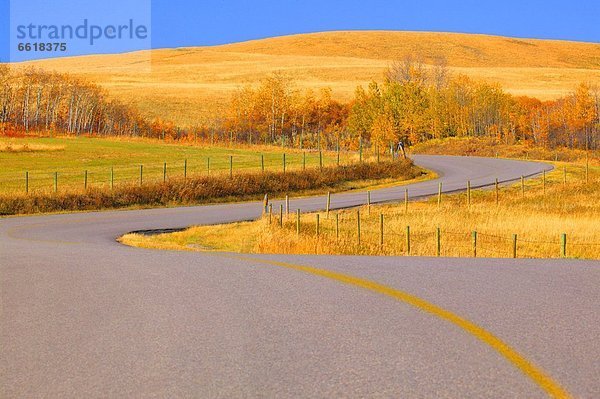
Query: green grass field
x,y
71,157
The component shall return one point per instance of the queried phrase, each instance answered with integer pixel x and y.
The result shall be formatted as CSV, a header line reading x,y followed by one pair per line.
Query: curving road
x,y
83,316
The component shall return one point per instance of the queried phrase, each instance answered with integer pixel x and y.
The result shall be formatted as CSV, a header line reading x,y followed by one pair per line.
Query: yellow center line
x,y
552,388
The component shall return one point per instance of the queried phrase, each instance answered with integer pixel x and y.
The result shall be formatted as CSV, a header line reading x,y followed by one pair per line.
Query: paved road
x,y
83,316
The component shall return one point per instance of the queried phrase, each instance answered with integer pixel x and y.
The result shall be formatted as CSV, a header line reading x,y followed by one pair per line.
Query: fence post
x,y
439,195
497,193
563,245
55,181
514,245
262,163
208,165
522,187
369,201
112,177
297,222
474,235
230,166
358,226
26,182
317,230
377,151
328,203
544,181
406,200
141,175
287,205
185,168
284,162
381,231
304,160
85,179
337,226
270,213
280,215
164,172
407,240
321,159
438,239
468,192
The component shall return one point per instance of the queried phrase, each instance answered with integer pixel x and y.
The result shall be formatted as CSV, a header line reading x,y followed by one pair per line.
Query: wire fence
x,y
107,176
347,233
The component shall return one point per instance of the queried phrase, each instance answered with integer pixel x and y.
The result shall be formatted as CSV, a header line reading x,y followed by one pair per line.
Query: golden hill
x,y
190,84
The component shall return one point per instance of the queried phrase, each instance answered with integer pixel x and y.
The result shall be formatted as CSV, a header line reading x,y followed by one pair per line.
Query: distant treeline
x,y
413,104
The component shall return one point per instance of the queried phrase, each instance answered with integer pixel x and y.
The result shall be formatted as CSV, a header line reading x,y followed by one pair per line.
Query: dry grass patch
x,y
29,147
538,219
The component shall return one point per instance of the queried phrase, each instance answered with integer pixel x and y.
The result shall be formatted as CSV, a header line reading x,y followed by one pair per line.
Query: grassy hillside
x,y
188,84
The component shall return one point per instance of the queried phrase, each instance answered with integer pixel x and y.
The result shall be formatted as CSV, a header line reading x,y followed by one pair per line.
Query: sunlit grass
x,y
538,218
71,157
189,85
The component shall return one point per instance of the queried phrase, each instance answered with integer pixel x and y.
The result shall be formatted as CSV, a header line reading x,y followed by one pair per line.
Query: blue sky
x,y
208,22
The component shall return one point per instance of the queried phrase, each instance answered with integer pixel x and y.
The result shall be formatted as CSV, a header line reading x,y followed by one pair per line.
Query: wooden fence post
x,y
522,187
438,239
208,165
85,179
468,192
321,159
284,162
358,226
112,177
304,160
280,215
317,226
26,182
297,222
262,163
55,181
337,226
406,200
407,240
230,166
439,202
328,203
497,193
185,169
563,245
164,172
141,175
381,231
544,182
369,201
514,246
474,235
270,213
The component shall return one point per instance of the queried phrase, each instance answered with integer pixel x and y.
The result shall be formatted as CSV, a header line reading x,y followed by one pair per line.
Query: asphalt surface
x,y
83,316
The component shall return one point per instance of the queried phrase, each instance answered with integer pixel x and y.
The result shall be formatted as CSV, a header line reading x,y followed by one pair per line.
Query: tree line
x,y
414,103
33,100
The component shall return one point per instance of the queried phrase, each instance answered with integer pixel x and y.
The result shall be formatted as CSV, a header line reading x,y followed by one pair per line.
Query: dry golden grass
x,y
538,219
189,84
29,147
